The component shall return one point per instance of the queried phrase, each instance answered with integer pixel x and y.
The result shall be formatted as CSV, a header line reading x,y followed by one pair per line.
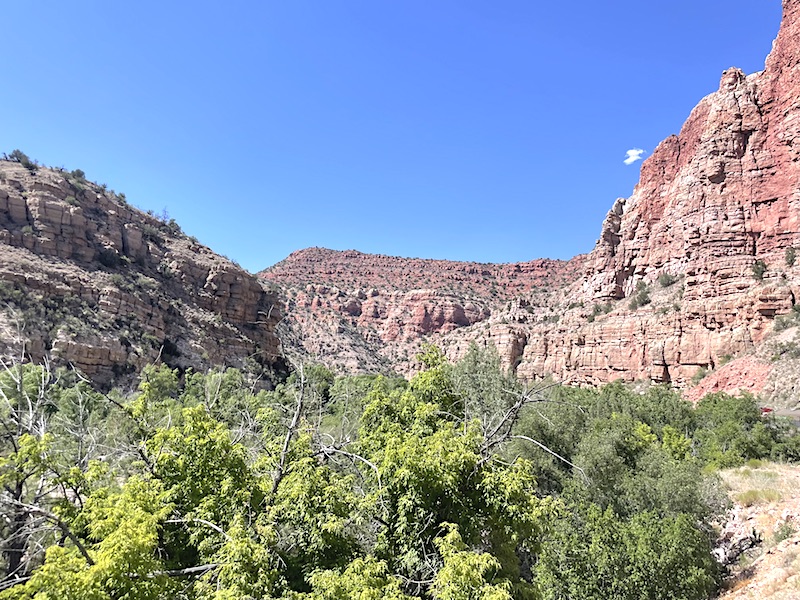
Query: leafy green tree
x,y
484,392
593,555
465,574
415,505
731,430
22,158
433,470
363,579
365,487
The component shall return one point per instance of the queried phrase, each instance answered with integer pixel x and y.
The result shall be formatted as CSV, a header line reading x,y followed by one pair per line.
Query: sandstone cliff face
x,y
714,212
359,312
89,281
713,203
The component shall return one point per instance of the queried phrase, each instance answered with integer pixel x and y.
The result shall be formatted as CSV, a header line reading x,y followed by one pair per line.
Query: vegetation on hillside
x,y
458,484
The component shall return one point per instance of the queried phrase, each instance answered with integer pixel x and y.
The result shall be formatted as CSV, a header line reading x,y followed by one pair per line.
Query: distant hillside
x,y
87,280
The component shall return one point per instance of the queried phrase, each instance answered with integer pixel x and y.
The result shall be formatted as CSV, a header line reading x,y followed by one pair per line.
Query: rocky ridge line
x,y
89,281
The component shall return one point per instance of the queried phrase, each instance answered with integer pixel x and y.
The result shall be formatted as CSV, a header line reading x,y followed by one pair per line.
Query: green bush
x,y
731,430
791,256
666,279
784,531
23,159
109,257
699,375
593,555
786,350
755,497
759,268
641,297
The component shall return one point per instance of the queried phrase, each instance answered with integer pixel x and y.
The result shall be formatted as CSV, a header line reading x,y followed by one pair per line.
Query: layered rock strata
x,y
690,271
362,312
89,281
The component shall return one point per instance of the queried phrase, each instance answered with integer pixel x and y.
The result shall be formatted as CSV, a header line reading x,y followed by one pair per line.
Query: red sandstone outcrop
x,y
715,205
87,280
388,305
703,239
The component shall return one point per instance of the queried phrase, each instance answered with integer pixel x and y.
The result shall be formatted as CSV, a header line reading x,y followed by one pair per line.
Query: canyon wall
x,y
89,281
690,271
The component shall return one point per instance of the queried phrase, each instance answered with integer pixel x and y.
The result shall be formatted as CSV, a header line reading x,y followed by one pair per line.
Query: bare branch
x,y
350,455
37,510
548,450
298,411
187,572
502,431
4,585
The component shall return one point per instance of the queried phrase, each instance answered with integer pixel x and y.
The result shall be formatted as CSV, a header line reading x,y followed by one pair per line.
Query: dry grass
x,y
753,497
784,479
768,495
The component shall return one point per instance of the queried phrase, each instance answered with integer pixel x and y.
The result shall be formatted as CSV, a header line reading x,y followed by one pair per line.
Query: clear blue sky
x,y
492,131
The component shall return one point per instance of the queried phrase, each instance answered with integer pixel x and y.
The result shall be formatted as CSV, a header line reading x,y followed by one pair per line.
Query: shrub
x,y
782,322
786,350
600,309
641,297
122,283
666,279
78,174
699,375
109,257
165,269
151,233
173,227
784,531
791,255
23,159
753,497
759,268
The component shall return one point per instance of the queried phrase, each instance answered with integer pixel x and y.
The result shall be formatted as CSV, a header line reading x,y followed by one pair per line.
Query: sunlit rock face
x,y
91,282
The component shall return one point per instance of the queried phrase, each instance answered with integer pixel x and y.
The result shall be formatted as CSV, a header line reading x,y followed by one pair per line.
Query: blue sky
x,y
467,130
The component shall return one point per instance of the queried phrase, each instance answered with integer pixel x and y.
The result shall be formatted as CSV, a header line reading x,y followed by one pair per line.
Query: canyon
x,y
690,272
693,277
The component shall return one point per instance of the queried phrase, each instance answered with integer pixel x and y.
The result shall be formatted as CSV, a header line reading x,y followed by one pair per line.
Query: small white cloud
x,y
633,154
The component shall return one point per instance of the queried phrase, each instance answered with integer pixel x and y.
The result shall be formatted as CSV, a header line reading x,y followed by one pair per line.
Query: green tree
x,y
593,555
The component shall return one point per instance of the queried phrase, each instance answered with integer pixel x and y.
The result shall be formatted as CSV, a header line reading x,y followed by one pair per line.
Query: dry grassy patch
x,y
753,497
768,499
783,479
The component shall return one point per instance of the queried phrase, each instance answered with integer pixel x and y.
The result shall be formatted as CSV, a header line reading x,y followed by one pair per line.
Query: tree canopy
x,y
458,484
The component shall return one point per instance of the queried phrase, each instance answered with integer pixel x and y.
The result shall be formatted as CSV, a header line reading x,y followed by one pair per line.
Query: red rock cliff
x,y
690,270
